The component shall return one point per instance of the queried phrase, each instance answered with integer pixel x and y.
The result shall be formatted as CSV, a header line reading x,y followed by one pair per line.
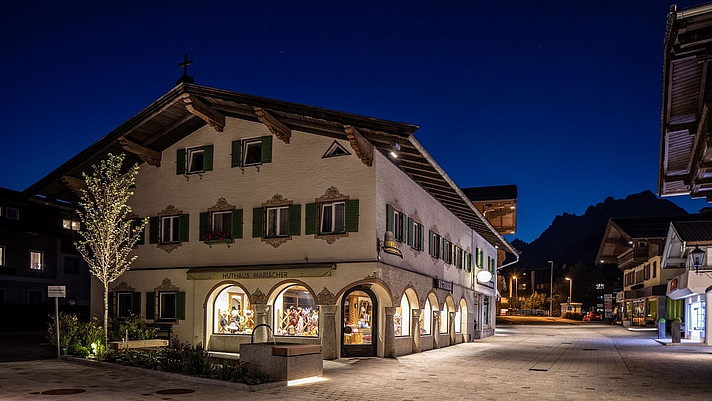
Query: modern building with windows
x,y
269,218
36,251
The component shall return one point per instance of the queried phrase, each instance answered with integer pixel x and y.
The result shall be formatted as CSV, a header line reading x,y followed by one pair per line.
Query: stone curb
x,y
176,376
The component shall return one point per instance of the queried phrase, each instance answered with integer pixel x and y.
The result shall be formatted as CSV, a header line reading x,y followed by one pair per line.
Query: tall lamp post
x,y
571,282
551,287
516,291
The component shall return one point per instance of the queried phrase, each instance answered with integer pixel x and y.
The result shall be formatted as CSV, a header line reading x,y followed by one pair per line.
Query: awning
x,y
261,271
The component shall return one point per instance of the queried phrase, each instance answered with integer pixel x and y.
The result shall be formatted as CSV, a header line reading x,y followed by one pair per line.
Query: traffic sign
x,y
56,291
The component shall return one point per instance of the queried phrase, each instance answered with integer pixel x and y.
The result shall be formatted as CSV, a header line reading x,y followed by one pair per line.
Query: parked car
x,y
592,317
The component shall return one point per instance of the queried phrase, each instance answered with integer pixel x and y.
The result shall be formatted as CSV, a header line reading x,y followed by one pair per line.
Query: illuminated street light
x,y
571,283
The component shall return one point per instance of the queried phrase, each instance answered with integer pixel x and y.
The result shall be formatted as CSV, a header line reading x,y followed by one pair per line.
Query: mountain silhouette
x,y
573,239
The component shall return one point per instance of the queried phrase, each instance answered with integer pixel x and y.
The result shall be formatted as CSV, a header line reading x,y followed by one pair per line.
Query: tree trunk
x,y
106,316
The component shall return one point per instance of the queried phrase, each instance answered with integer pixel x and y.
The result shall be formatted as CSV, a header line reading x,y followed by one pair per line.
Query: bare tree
x,y
108,233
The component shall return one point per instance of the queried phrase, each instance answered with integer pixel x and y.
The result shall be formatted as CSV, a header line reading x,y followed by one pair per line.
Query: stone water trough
x,y
284,361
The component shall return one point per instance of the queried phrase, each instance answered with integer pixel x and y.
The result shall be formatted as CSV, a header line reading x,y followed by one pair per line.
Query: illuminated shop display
x,y
295,314
401,319
358,314
233,314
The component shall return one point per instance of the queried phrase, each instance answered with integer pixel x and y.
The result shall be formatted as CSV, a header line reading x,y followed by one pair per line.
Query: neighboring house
x,y
686,137
498,204
36,251
326,227
635,245
690,287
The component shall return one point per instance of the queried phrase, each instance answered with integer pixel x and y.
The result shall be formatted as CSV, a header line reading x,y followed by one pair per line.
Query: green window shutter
x,y
153,230
180,305
267,149
150,305
180,161
208,158
409,223
431,243
441,245
136,303
237,223
204,224
183,228
257,226
310,218
236,153
295,219
351,218
422,237
404,228
112,295
389,218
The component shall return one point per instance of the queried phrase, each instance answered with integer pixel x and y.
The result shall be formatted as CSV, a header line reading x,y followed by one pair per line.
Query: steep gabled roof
x,y
188,107
693,231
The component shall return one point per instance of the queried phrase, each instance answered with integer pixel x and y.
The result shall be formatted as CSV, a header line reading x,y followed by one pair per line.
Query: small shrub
x,y
79,350
68,323
148,359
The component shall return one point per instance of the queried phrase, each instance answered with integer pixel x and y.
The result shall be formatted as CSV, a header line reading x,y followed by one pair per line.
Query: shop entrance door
x,y
359,330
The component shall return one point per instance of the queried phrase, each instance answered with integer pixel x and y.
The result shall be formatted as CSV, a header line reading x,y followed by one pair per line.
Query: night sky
x,y
561,99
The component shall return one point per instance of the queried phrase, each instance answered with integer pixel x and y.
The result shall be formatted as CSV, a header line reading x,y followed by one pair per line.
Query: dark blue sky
x,y
561,99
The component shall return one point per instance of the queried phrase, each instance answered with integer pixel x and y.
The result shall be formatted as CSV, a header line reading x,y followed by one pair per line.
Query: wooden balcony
x,y
633,257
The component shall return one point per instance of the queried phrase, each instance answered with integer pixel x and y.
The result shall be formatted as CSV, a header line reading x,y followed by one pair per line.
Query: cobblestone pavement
x,y
544,362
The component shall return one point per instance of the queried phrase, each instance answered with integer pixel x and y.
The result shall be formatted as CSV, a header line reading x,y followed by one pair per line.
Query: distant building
x,y
325,227
37,250
498,204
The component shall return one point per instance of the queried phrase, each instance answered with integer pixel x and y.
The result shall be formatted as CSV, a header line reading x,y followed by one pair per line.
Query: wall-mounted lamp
x,y
389,245
395,148
484,276
697,256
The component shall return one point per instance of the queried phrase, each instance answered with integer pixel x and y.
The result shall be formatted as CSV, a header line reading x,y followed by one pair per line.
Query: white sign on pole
x,y
56,291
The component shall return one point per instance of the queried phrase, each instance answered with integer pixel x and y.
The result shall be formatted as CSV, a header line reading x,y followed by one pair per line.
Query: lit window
x,y
2,256
425,318
458,321
401,319
68,224
35,260
444,320
222,221
252,152
170,229
295,313
232,313
278,221
333,217
196,160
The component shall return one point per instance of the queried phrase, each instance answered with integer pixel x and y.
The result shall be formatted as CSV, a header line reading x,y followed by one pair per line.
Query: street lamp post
x,y
516,291
571,282
551,287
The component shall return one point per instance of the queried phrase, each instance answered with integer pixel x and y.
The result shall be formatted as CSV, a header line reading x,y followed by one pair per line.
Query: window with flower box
x,y
221,223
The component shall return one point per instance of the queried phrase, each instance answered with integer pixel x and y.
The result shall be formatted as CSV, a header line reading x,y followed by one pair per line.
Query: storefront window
x,y
458,321
358,319
232,312
444,319
425,318
401,319
295,313
486,311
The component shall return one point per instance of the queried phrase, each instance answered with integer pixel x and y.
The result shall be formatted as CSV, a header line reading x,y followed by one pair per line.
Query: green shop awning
x,y
261,272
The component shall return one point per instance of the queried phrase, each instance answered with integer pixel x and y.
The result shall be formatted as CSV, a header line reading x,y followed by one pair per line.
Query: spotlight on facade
x,y
697,256
395,148
390,246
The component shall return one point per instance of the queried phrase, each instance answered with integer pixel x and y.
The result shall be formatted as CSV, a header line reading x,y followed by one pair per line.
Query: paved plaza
x,y
555,361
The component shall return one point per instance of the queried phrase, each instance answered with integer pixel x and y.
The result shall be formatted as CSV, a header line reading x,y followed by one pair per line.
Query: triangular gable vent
x,y
335,150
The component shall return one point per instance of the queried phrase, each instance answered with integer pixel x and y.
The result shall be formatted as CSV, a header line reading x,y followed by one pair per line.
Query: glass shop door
x,y
359,330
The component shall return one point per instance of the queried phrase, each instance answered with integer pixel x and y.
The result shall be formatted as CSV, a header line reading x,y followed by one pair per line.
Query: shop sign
x,y
253,274
443,285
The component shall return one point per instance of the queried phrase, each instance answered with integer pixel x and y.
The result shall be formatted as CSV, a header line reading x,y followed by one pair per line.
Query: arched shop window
x,y
444,318
401,319
232,312
458,320
425,318
295,313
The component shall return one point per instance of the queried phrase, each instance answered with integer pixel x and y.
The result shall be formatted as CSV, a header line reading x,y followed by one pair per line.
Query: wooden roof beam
x,y
275,126
201,109
361,145
169,128
147,155
76,185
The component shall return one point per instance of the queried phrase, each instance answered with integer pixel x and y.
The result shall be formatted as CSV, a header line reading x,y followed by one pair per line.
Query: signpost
x,y
56,292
